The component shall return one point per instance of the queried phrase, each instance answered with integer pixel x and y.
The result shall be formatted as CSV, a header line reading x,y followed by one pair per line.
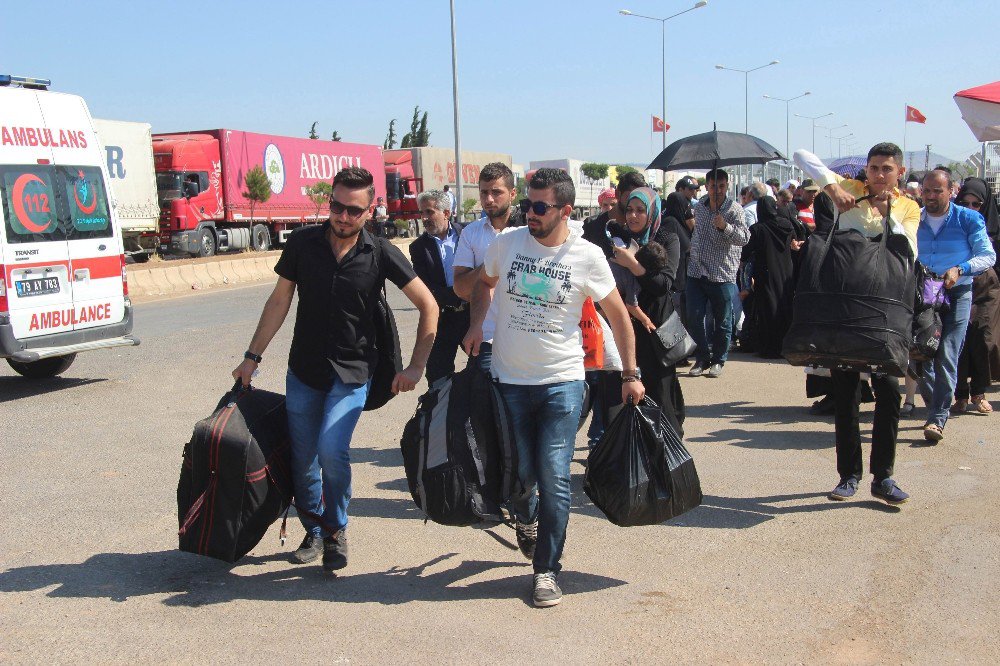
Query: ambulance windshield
x,y
53,203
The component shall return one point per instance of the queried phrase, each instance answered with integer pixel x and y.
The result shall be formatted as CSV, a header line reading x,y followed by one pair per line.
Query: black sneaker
x,y
887,491
527,537
335,551
308,550
546,591
845,490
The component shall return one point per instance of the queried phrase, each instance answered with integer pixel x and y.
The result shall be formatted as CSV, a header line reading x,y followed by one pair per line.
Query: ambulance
x,y
63,288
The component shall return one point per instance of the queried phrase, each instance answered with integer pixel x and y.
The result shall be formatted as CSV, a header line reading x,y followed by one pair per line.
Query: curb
x,y
165,280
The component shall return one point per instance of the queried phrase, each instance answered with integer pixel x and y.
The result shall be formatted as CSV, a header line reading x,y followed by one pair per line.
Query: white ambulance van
x,y
63,288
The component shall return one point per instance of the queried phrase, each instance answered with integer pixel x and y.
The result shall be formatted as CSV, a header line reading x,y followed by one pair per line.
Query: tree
x,y
520,186
623,169
411,139
595,171
319,193
423,136
390,138
258,191
336,136
467,207
312,131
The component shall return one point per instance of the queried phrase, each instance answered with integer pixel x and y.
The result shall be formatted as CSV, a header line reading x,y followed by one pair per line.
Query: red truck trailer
x,y
199,182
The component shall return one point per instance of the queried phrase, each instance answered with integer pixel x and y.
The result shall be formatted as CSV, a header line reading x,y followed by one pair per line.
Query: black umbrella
x,y
715,149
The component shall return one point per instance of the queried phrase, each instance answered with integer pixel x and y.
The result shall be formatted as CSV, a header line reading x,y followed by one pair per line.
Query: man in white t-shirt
x,y
540,277
496,194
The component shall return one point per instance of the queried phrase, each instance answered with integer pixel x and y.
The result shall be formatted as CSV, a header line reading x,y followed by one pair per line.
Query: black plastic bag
x,y
640,473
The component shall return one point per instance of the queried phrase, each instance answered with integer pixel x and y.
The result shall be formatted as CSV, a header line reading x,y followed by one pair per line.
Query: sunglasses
x,y
971,203
537,207
352,211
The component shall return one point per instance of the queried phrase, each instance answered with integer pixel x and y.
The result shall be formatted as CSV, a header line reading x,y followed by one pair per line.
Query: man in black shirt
x,y
338,269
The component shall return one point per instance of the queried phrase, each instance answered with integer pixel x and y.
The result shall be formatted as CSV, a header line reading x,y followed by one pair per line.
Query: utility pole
x,y
927,158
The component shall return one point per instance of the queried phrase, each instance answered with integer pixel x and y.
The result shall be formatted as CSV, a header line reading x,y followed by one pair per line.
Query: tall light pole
x,y
663,42
840,143
458,130
814,119
829,135
746,90
787,103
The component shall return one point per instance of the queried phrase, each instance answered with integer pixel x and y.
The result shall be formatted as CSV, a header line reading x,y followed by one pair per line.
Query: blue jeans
x,y
937,386
545,420
320,424
700,293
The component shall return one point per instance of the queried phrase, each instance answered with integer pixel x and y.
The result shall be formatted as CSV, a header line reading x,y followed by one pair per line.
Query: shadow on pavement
x,y
16,388
193,581
745,512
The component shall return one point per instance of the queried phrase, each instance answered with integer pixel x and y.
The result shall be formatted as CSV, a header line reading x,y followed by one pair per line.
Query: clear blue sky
x,y
539,79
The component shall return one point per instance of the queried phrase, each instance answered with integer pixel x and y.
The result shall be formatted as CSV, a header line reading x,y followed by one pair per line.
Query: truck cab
x,y
402,188
190,197
63,287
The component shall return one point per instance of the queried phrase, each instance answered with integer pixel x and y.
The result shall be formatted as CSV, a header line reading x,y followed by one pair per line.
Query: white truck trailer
x,y
129,149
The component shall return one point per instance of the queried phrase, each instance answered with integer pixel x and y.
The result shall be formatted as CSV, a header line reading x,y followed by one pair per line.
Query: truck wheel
x,y
261,238
43,368
207,243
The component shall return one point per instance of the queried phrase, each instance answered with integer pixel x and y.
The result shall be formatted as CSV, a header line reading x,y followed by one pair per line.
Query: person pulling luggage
x,y
338,269
862,207
546,271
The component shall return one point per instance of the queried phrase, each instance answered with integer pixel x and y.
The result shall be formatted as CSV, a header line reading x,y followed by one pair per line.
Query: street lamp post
x,y
663,43
787,102
746,90
458,131
840,143
829,135
814,119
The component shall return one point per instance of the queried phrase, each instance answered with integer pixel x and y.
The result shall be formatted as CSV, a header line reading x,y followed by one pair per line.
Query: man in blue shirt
x,y
433,254
953,245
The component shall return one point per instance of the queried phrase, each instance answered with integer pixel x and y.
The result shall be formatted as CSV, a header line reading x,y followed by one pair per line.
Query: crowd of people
x,y
509,290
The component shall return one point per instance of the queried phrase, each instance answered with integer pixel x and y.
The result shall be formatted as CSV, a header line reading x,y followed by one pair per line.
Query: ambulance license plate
x,y
37,286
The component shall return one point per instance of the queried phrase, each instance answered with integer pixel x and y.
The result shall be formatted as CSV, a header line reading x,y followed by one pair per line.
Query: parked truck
x,y
200,183
129,153
429,168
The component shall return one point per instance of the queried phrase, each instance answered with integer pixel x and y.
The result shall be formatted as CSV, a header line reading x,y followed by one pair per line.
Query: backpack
x,y
390,360
458,451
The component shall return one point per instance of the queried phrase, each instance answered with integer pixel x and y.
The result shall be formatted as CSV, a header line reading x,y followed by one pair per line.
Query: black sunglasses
x,y
352,211
971,203
537,207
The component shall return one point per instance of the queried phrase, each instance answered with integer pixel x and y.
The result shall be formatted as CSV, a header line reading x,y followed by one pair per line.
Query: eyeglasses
x,y
537,207
352,211
971,203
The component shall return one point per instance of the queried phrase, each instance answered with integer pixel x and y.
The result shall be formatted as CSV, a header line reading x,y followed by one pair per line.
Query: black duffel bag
x,y
235,477
640,473
853,305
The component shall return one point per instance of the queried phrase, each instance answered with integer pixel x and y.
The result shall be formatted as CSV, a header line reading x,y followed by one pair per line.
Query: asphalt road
x,y
767,570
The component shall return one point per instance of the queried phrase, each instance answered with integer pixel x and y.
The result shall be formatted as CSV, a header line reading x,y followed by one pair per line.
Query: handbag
x,y
676,343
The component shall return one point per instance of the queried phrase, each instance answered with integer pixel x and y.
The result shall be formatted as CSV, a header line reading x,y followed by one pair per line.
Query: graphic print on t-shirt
x,y
537,285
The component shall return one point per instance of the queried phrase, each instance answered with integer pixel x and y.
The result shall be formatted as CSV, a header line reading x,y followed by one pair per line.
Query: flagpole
x,y
906,110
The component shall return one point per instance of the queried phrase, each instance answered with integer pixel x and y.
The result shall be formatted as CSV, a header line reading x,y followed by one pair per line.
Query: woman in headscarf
x,y
982,339
654,266
770,252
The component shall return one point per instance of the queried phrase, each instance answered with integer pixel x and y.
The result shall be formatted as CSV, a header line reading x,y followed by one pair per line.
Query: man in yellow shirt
x,y
863,206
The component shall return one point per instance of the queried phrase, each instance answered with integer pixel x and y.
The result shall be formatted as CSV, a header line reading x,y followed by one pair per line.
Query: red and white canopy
x,y
980,107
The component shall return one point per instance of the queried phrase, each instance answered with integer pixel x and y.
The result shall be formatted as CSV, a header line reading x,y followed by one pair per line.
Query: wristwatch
x,y
250,356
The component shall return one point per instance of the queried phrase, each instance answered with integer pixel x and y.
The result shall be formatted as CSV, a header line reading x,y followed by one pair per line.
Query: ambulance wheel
x,y
44,368
261,238
207,243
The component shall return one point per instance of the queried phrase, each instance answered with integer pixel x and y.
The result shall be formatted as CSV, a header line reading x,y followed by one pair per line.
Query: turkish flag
x,y
659,125
914,116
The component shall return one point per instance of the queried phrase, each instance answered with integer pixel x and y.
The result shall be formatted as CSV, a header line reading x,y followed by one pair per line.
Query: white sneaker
x,y
714,371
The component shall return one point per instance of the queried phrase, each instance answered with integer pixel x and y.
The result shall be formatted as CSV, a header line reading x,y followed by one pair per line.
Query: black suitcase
x,y
235,478
853,305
